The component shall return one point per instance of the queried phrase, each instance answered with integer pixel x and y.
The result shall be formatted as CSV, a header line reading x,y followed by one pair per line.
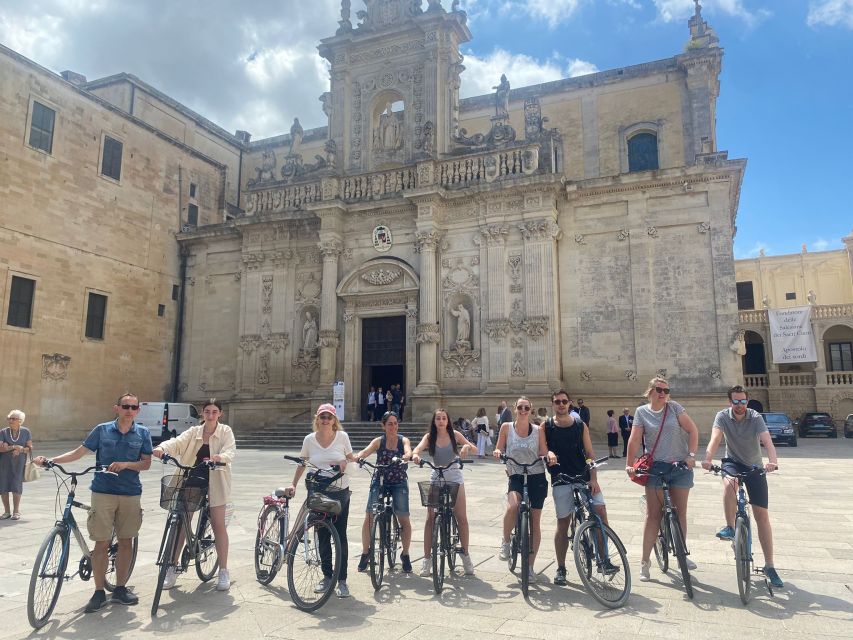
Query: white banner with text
x,y
791,335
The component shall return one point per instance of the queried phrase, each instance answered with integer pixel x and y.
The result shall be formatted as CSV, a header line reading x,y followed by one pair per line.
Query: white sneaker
x,y
171,578
645,568
506,549
426,567
322,586
690,564
342,590
467,564
531,576
224,581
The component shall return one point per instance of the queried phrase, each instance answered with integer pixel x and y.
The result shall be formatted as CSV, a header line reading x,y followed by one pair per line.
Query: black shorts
x,y
756,483
537,488
612,439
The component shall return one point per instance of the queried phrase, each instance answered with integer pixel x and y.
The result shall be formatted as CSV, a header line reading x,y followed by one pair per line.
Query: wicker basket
x,y
431,492
176,494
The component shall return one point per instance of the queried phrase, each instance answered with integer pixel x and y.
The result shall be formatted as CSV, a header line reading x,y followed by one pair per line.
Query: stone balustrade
x,y
797,380
371,186
282,198
819,312
839,378
485,168
753,316
755,381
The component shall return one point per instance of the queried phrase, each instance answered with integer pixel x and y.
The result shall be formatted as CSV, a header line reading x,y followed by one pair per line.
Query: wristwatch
x,y
691,455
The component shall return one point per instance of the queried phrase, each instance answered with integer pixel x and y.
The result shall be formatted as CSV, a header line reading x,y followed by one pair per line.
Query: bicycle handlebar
x,y
395,462
678,465
456,460
304,462
743,475
204,463
505,458
49,464
592,464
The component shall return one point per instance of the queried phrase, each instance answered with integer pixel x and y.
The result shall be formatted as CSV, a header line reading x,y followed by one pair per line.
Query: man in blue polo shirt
x,y
124,447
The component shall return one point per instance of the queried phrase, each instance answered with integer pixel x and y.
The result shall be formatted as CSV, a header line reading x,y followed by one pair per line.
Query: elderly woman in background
x,y
16,442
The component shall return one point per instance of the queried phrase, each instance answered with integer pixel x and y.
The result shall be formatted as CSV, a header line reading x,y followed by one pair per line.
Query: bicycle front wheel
x,y
167,557
602,563
394,542
47,576
512,559
454,546
743,561
438,553
679,548
112,554
268,545
662,548
206,557
524,550
377,544
313,564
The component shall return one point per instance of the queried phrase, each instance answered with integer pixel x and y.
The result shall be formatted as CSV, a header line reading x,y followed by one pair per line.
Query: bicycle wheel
x,y
166,557
524,550
602,563
47,576
268,545
743,561
377,543
206,557
394,542
453,543
679,548
438,553
112,554
512,559
311,547
662,548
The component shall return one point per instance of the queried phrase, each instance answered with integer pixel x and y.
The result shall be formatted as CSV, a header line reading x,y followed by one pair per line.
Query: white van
x,y
167,419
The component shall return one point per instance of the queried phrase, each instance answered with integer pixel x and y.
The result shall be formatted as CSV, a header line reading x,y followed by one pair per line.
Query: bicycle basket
x,y
176,494
431,492
323,499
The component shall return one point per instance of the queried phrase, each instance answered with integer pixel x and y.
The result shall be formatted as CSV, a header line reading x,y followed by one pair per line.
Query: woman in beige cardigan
x,y
213,441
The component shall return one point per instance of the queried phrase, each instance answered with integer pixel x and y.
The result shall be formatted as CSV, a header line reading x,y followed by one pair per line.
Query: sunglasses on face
x,y
130,407
561,401
743,401
662,390
326,416
523,407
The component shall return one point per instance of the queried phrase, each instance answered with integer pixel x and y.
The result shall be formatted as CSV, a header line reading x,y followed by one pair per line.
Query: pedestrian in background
x,y
16,443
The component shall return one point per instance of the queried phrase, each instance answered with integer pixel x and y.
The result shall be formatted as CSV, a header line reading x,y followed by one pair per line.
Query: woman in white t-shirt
x,y
329,445
481,428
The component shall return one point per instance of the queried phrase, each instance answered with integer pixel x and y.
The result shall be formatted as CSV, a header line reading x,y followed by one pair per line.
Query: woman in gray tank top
x,y
445,444
525,442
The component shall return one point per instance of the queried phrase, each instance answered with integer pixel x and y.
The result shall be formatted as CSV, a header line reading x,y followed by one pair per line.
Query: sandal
x,y
16,516
6,516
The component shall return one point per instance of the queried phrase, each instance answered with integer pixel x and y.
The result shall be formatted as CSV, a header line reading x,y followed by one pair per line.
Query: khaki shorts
x,y
111,512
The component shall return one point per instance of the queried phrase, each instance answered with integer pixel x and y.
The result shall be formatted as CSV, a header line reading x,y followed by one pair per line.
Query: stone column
x,y
330,248
497,325
426,244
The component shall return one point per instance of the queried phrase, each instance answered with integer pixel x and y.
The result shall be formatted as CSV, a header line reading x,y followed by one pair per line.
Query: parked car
x,y
167,419
848,426
817,424
781,429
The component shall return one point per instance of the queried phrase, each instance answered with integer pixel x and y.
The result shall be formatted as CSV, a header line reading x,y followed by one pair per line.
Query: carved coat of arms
x,y
382,239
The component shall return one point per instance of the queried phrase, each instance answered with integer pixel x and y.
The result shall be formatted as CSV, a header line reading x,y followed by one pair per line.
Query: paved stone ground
x,y
812,510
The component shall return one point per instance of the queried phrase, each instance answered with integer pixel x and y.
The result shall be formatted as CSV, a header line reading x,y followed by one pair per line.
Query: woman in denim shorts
x,y
387,447
678,441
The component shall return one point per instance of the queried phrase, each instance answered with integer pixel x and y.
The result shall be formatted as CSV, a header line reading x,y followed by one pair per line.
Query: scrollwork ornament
x,y
623,235
703,227
55,366
631,375
379,277
428,333
652,232
585,376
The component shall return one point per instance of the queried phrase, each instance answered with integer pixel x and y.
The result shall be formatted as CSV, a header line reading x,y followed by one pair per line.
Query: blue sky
x,y
785,101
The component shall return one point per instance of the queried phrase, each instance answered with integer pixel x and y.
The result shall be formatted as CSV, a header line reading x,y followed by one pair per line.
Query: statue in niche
x,y
463,327
296,133
427,141
738,344
267,166
502,98
388,136
309,333
812,297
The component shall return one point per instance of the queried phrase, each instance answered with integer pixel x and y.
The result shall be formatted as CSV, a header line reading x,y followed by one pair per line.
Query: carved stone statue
x,y
331,150
309,333
463,327
433,5
812,297
296,133
427,143
738,345
388,135
267,166
502,98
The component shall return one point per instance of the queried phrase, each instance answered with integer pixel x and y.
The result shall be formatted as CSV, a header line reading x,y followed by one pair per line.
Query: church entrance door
x,y
383,356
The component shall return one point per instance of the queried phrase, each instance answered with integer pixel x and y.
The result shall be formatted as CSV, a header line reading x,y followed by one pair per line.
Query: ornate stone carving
x,y
379,277
266,294
278,341
426,174
254,261
539,229
623,234
714,374
306,364
497,329
427,240
330,248
461,356
264,369
412,312
249,342
580,239
349,316
494,233
517,366
265,171
329,338
428,333
533,120
703,227
585,376
631,375
661,373
536,327
514,261
738,343
652,232
383,13
309,291
516,316
516,342
54,366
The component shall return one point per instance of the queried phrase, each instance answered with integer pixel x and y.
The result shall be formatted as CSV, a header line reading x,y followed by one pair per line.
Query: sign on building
x,y
338,399
791,335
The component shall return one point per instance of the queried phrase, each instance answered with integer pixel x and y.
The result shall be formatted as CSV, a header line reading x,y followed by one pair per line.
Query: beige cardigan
x,y
185,448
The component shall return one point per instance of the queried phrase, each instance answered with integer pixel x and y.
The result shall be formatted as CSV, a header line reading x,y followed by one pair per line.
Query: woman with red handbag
x,y
676,438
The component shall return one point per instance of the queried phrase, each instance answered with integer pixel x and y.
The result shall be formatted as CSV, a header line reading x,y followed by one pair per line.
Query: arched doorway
x,y
754,361
756,405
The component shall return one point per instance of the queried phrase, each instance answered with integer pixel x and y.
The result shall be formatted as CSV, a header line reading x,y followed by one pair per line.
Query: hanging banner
x,y
791,335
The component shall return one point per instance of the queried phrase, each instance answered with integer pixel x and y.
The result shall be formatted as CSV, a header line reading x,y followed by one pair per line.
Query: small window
x,y
161,310
791,295
41,127
643,152
175,292
192,189
111,163
21,302
95,316
192,215
745,296
841,356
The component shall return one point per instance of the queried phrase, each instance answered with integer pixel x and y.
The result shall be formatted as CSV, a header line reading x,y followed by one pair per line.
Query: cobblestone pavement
x,y
811,502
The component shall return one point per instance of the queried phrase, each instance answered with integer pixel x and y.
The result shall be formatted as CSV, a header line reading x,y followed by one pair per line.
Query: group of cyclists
x,y
560,446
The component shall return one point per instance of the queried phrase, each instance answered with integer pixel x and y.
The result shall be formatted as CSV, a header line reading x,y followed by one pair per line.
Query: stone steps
x,y
289,436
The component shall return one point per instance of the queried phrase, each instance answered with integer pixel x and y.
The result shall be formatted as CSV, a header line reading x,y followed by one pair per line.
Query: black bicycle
x,y
742,541
49,569
670,537
600,556
181,495
385,534
519,542
441,497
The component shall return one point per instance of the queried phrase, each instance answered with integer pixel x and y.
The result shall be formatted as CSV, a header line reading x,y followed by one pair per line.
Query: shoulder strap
x,y
660,431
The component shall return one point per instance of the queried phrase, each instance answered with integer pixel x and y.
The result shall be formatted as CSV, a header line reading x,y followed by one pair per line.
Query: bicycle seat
x,y
280,492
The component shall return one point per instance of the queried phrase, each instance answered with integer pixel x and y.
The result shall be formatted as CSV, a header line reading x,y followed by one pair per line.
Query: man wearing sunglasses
x,y
744,431
124,447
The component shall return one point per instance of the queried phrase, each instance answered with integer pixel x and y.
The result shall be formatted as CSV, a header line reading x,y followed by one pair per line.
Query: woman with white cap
x,y
330,445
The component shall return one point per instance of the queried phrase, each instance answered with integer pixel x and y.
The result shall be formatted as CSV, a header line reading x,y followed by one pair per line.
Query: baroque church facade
x,y
576,233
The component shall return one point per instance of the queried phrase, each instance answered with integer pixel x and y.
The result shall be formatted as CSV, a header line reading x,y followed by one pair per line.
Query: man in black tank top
x,y
569,450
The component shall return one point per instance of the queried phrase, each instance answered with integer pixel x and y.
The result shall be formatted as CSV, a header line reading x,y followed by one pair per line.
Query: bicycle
x,y
441,497
742,541
181,498
595,545
670,537
519,542
385,533
48,573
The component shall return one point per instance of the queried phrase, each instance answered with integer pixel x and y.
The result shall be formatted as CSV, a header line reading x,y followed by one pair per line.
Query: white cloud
x,y
482,74
552,11
821,244
831,13
670,10
753,252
